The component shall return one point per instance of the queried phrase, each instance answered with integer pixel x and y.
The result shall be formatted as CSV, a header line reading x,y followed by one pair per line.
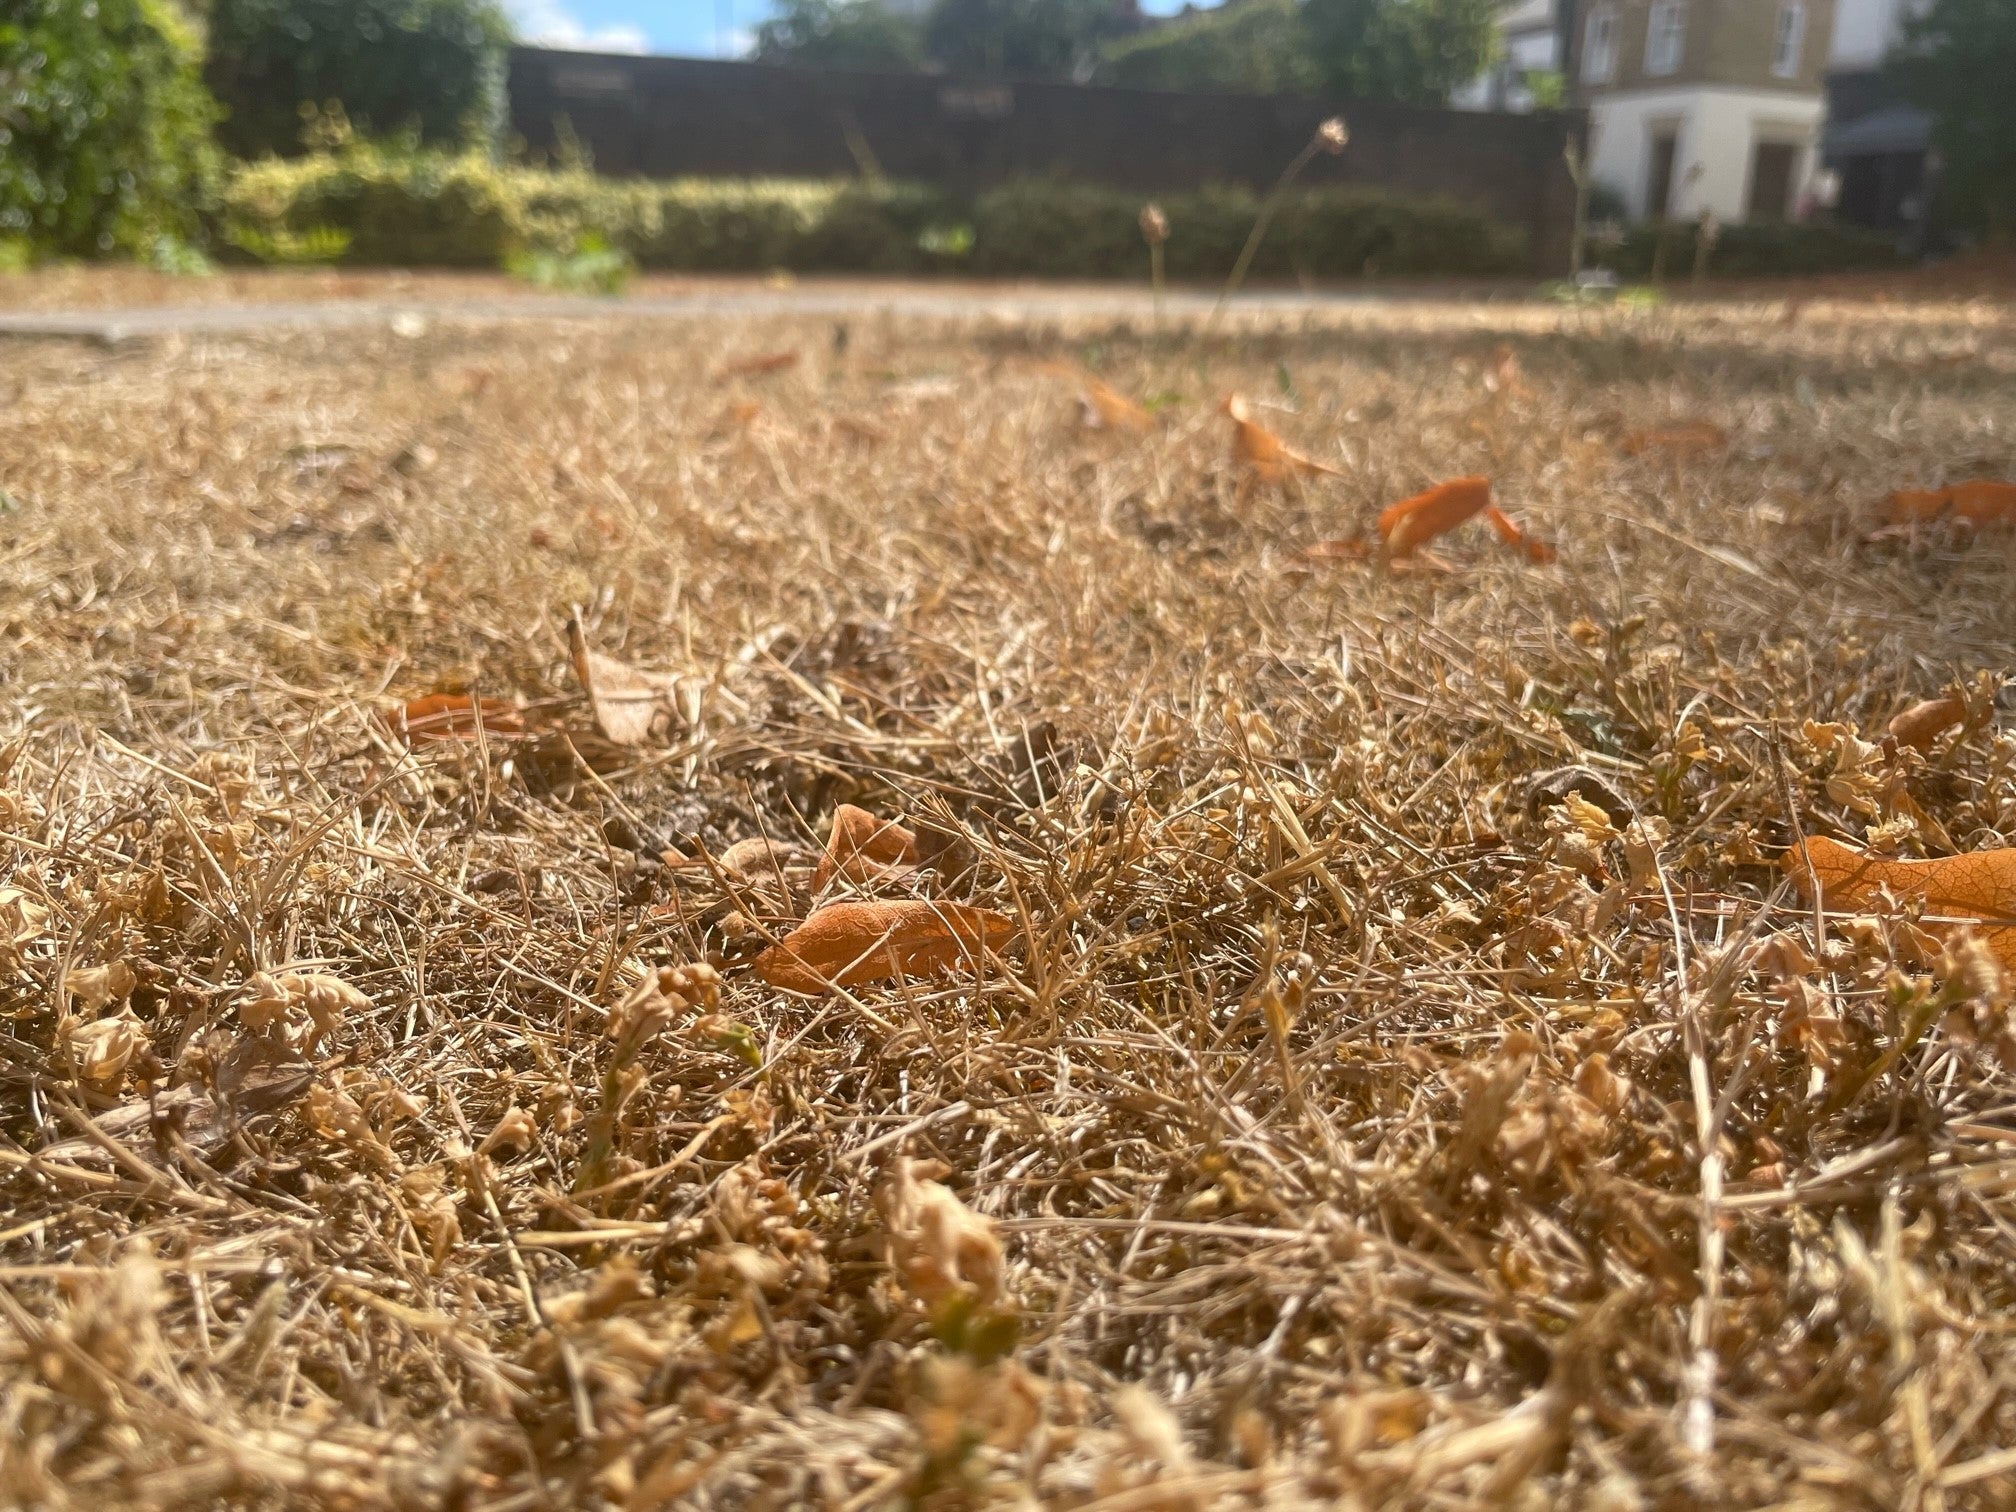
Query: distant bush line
x,y
1758,250
402,208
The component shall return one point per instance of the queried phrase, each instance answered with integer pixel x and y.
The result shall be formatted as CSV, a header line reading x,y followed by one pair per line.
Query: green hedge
x,y
1062,229
1758,251
407,208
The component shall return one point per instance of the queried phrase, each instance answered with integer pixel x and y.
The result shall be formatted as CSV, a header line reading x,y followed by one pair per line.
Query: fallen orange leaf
x,y
1924,722
1977,889
862,847
1106,408
1691,436
767,362
1413,522
1981,502
626,703
1513,534
455,716
850,944
1264,454
1502,376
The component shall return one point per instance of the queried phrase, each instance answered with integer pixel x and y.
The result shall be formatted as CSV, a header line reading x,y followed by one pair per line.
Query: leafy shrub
x,y
420,208
590,266
432,67
1758,251
279,247
397,207
1068,230
894,228
104,126
726,226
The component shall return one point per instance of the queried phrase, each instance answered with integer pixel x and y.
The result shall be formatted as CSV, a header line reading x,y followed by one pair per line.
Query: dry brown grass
x,y
1355,1129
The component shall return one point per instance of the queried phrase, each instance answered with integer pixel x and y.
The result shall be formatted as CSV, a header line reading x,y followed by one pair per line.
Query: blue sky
x,y
697,28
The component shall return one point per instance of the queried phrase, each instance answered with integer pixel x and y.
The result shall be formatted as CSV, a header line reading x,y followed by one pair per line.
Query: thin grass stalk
x,y
1329,137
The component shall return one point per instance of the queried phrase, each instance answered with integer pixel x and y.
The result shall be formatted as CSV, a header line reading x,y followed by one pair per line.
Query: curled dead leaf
x,y
850,944
455,716
1513,534
863,847
95,986
759,860
628,704
1928,719
1689,438
1106,408
761,363
300,1007
515,1130
1262,453
100,1048
1103,407
1416,521
1976,891
1344,549
938,1245
1983,501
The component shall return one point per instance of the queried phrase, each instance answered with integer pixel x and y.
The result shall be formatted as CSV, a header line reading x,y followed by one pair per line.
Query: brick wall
x,y
678,117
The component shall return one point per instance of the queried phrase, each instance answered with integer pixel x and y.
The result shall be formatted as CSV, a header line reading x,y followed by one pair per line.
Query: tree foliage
x,y
435,67
104,125
1956,63
839,34
1039,39
1257,46
1412,50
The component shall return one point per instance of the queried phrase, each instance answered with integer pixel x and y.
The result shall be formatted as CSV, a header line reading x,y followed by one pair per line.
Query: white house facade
x,y
1694,105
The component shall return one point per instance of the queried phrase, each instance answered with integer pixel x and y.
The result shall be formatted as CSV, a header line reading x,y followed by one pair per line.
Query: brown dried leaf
x,y
938,1245
455,716
1689,438
762,363
1977,890
1417,521
100,1048
1984,501
851,944
1262,453
1925,721
863,848
628,704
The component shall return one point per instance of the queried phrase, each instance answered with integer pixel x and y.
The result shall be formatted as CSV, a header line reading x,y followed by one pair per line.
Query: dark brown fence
x,y
674,117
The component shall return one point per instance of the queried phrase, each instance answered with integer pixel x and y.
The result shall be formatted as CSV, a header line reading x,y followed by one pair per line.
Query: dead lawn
x,y
1356,1126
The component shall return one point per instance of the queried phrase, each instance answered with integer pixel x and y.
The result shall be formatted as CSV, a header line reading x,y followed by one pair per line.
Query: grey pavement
x,y
111,327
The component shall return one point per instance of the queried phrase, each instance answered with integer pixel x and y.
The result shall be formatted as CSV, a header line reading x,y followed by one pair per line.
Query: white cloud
x,y
549,23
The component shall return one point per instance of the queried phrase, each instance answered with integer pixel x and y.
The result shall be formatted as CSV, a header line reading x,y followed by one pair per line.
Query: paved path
x,y
114,326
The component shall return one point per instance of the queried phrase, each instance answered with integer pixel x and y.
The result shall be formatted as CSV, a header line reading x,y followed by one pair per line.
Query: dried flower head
x,y
1154,225
1332,135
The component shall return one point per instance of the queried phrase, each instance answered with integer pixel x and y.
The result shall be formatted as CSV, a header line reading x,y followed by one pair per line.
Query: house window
x,y
1666,37
1791,44
1599,47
